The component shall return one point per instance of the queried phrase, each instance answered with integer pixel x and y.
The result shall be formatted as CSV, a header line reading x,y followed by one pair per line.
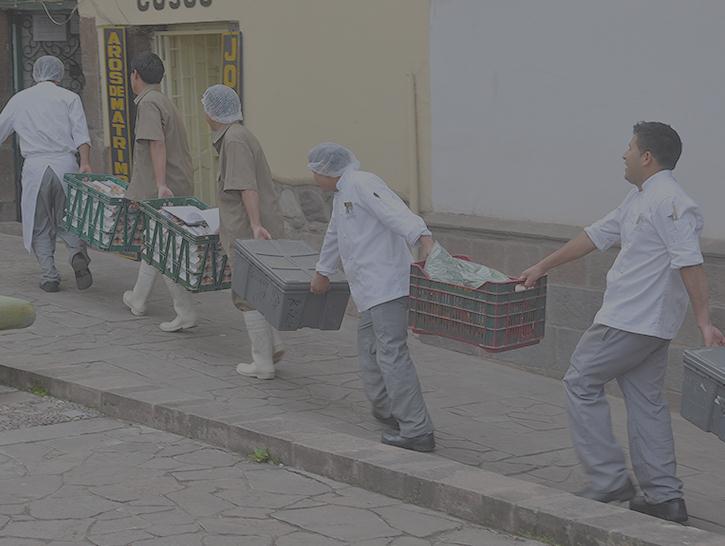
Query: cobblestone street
x,y
69,477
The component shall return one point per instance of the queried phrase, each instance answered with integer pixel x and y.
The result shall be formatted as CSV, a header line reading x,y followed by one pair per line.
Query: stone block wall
x,y
306,210
574,291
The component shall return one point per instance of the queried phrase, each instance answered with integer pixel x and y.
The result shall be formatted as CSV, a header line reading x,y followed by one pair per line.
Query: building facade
x,y
352,72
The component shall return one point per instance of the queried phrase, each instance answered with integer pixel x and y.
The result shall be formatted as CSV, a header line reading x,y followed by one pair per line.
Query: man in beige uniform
x,y
248,209
161,168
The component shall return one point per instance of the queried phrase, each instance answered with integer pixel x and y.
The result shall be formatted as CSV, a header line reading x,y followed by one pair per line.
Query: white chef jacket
x,y
47,118
371,230
659,230
51,125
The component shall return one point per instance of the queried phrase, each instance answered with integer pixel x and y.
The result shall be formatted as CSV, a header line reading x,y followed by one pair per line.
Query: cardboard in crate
x,y
196,262
703,389
274,277
496,316
105,222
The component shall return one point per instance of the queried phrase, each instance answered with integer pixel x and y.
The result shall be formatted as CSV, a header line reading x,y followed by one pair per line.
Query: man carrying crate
x,y
248,209
370,231
51,127
161,168
660,263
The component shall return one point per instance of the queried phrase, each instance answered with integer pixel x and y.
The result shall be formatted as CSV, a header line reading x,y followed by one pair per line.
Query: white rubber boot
x,y
135,299
278,346
184,307
260,334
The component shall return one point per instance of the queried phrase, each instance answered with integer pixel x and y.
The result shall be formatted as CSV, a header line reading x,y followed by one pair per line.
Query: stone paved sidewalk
x,y
104,482
487,415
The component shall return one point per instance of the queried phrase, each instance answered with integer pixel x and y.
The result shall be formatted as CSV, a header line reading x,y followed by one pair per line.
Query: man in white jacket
x,y
659,265
370,231
51,127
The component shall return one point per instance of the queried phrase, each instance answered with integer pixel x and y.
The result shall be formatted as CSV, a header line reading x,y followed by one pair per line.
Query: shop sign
x,y
160,5
114,47
232,61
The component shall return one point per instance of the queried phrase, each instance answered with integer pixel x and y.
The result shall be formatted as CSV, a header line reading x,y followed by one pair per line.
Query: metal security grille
x,y
30,47
193,63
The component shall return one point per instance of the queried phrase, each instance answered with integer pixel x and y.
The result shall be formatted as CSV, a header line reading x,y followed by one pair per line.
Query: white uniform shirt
x,y
659,230
371,230
47,118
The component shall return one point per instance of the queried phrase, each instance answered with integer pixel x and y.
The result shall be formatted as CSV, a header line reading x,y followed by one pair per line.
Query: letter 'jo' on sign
x,y
232,62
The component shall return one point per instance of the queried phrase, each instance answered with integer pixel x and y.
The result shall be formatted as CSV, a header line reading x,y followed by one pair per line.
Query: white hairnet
x,y
330,159
222,104
48,69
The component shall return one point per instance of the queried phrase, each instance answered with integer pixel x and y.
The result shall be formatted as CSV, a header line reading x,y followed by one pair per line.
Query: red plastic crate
x,y
494,317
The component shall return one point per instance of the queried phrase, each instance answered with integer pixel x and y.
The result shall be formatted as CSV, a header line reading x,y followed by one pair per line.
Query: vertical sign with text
x,y
114,47
232,62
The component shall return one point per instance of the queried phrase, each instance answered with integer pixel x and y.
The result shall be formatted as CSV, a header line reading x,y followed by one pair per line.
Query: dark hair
x,y
149,66
661,140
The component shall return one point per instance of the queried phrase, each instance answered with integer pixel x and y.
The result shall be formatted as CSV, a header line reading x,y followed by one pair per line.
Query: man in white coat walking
x,y
51,127
659,265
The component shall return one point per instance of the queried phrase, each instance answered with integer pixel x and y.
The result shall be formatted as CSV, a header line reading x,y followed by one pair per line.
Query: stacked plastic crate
x,y
194,261
98,212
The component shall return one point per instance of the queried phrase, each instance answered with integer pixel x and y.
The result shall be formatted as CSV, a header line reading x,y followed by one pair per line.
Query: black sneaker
x,y
423,443
50,286
672,510
84,279
624,493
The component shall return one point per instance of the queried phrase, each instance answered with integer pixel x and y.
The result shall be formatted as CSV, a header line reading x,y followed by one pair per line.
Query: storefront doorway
x,y
193,62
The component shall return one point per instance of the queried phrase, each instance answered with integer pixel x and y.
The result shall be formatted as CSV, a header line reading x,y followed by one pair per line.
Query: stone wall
x,y
574,291
306,210
8,188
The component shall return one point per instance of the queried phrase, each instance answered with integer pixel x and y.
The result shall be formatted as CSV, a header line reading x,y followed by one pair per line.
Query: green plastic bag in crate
x,y
196,262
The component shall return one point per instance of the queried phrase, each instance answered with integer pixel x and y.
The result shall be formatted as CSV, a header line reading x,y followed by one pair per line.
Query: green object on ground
x,y
15,313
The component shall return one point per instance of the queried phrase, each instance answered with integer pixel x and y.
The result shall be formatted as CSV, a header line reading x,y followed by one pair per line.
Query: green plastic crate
x,y
196,262
110,224
495,316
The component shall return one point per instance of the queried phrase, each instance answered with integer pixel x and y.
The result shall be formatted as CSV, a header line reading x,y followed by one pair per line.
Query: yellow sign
x,y
232,61
114,47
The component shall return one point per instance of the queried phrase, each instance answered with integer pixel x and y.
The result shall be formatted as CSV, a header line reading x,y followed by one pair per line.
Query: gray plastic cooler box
x,y
274,277
703,390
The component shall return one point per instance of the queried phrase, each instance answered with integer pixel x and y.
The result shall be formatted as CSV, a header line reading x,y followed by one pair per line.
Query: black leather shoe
x,y
84,279
672,510
387,421
423,443
50,286
624,493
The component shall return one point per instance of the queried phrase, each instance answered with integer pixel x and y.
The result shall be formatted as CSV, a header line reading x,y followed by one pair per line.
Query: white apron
x,y
33,170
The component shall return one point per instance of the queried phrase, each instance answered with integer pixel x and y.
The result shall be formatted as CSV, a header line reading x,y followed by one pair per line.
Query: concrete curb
x,y
482,497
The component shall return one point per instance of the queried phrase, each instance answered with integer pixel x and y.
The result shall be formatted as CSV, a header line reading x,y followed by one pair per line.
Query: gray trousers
x,y
638,363
49,212
388,373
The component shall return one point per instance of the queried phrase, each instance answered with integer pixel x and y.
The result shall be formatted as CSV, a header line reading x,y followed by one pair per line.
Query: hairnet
x,y
48,69
222,104
330,159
